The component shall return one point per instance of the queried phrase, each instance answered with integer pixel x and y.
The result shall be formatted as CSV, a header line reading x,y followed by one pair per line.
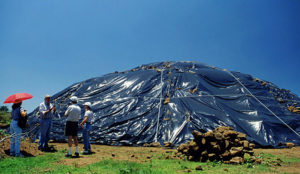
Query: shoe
x,y
76,155
85,152
68,155
20,156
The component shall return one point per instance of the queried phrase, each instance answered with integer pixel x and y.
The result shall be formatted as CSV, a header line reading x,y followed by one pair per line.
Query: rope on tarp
x,y
23,134
178,131
195,96
160,100
262,103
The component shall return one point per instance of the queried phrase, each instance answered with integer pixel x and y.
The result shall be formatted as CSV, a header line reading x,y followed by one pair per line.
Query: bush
x,y
5,117
4,108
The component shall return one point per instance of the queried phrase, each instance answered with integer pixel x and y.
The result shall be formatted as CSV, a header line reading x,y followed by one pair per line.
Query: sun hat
x,y
87,104
74,99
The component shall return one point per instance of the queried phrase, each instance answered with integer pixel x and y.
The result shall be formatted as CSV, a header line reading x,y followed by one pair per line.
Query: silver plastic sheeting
x,y
166,101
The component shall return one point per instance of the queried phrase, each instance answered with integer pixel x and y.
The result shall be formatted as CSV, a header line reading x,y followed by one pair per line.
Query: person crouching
x,y
86,125
72,113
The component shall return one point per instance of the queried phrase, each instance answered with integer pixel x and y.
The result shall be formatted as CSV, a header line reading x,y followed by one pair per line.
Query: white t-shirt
x,y
43,108
73,113
90,116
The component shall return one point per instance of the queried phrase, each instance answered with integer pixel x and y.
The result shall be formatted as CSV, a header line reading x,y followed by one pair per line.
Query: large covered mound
x,y
167,101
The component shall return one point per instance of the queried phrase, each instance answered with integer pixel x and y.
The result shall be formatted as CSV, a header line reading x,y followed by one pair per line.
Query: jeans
x,y
15,141
85,134
45,126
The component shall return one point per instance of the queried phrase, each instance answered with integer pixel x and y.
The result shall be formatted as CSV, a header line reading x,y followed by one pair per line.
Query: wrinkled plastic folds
x,y
166,101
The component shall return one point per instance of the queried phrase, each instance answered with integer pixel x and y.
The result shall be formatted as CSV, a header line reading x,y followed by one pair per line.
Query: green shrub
x,y
5,117
4,108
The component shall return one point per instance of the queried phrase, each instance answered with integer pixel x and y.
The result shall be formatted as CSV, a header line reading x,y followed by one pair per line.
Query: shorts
x,y
71,128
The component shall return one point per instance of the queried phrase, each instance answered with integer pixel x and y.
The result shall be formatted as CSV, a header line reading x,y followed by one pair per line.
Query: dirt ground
x,y
122,153
290,153
27,149
144,154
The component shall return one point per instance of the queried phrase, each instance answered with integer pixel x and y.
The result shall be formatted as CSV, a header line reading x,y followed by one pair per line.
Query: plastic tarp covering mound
x,y
166,101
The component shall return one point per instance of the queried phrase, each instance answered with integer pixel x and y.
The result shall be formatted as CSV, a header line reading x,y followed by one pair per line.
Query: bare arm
x,y
46,112
67,112
83,121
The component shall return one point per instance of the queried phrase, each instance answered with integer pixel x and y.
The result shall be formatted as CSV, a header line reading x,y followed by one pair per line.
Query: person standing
x,y
15,129
46,114
86,125
72,113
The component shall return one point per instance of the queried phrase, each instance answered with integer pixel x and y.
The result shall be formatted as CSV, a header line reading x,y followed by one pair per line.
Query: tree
x,y
4,108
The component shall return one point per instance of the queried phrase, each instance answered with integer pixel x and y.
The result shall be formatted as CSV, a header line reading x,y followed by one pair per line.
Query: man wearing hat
x,y
46,114
86,125
72,113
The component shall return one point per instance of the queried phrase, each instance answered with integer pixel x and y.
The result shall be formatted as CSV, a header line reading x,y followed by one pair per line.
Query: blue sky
x,y
47,45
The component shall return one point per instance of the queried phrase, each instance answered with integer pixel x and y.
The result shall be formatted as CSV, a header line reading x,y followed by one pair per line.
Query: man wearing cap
x,y
86,125
72,113
46,114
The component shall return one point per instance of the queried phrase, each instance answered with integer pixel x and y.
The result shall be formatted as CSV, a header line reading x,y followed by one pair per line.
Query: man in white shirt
x,y
73,115
86,126
47,111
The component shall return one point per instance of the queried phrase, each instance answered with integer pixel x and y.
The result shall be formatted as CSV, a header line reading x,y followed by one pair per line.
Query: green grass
x,y
5,117
48,164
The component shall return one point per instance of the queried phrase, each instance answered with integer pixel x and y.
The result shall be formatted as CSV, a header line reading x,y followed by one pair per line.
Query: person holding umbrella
x,y
72,113
17,113
15,129
46,114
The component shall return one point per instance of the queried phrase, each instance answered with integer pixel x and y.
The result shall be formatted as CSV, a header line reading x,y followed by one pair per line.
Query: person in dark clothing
x,y
15,130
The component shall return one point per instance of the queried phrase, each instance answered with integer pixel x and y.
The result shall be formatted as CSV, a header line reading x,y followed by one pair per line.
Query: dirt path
x,y
122,153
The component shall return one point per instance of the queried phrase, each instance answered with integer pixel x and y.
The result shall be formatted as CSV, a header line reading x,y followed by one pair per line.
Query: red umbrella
x,y
17,98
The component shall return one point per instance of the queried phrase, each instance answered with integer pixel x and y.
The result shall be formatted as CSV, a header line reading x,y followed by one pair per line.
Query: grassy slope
x,y
48,163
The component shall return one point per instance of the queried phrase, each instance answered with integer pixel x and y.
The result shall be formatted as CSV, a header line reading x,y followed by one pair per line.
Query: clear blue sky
x,y
47,45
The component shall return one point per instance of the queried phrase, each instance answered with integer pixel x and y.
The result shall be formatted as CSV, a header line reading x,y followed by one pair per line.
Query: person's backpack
x,y
22,122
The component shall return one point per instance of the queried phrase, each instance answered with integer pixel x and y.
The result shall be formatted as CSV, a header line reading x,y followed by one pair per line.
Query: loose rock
x,y
167,144
289,145
155,144
199,168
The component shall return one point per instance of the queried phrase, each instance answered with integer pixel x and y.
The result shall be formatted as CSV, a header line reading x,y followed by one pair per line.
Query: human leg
x,y
47,138
88,137
18,132
85,138
12,140
43,131
76,146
